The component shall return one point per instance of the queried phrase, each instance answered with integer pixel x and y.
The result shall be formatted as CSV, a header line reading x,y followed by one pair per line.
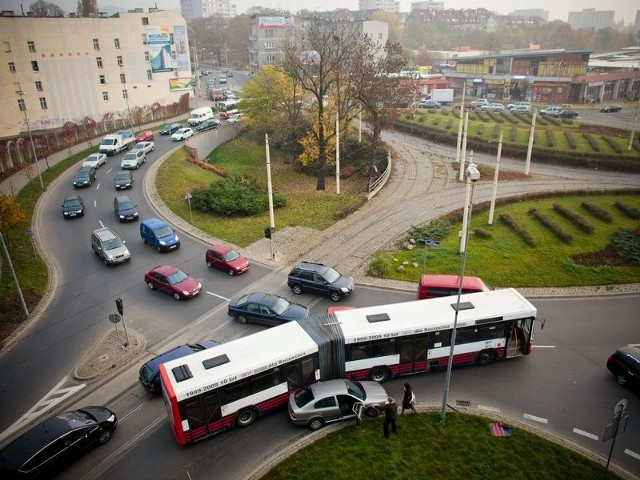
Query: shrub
x,y
556,229
436,121
449,124
522,232
630,212
496,131
436,230
613,144
378,267
574,218
482,233
626,244
514,133
421,119
597,212
549,134
510,118
495,117
480,129
592,143
555,121
570,139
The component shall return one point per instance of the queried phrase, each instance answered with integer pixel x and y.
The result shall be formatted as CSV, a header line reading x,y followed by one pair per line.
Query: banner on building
x,y
275,22
180,84
159,42
181,47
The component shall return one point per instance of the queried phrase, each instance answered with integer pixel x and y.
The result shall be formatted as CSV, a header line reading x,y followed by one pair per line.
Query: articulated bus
x,y
234,383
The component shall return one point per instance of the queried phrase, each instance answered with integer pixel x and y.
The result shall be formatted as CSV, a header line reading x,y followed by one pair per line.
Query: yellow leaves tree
x,y
11,213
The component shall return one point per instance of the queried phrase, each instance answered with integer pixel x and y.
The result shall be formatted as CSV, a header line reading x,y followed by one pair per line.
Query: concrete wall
x,y
206,142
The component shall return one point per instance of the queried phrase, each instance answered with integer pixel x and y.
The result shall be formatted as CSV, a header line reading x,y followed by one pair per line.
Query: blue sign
x,y
431,243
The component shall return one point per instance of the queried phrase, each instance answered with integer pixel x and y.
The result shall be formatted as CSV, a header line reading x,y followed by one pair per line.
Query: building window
x,y
103,80
146,57
116,42
145,20
123,78
96,44
268,32
99,62
34,66
12,67
119,59
21,105
149,75
7,47
271,58
105,95
173,54
144,38
43,103
171,38
125,95
31,46
39,86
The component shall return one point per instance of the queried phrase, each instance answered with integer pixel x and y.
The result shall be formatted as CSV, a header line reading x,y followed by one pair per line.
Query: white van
x,y
199,115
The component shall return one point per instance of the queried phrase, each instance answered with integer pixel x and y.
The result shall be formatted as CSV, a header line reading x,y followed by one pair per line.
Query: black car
x,y
625,365
73,207
125,209
265,308
56,442
149,373
171,128
567,114
318,278
611,107
208,125
84,177
124,180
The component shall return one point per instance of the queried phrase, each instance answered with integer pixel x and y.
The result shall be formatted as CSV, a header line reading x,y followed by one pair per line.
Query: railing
x,y
375,184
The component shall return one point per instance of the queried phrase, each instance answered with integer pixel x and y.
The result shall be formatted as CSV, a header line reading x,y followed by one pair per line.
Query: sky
x,y
558,10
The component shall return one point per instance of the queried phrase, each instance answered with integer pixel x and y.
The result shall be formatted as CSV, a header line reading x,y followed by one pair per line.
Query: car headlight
x,y
185,293
121,216
162,242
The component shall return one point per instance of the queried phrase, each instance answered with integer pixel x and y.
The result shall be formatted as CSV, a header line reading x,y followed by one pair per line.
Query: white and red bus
x,y
236,382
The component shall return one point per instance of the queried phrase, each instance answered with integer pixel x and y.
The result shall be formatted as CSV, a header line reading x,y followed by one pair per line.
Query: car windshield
x,y
163,231
74,202
331,275
82,174
126,205
355,389
177,277
122,176
231,255
92,158
130,156
77,419
303,396
281,306
112,243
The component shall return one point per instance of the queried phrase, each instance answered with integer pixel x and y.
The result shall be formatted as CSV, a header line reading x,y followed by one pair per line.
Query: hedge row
x,y
597,212
522,232
550,142
556,229
570,140
495,117
594,145
514,133
630,212
614,145
574,218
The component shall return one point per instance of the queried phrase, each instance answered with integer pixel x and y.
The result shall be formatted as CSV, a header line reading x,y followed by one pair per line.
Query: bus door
x,y
519,338
413,354
203,414
300,373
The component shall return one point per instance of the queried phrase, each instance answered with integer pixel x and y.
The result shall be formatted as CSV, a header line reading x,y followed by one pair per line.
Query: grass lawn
x,y
505,259
425,448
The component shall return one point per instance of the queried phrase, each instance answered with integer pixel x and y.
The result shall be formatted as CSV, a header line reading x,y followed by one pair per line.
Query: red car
x,y
146,136
226,259
173,281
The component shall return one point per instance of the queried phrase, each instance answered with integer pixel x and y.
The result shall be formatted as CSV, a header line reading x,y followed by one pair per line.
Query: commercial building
x,y
207,8
386,5
591,19
531,12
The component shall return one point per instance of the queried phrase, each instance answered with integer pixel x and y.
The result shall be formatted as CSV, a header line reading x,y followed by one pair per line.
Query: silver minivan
x,y
106,244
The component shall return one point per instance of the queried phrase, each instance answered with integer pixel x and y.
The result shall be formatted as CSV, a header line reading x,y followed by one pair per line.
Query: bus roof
x,y
452,281
247,355
418,316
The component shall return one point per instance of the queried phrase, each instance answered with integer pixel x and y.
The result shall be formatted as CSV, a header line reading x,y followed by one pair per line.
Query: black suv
x,y
318,278
625,365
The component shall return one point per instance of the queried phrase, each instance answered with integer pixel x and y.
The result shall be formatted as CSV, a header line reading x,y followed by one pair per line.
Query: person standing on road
x,y
390,413
408,400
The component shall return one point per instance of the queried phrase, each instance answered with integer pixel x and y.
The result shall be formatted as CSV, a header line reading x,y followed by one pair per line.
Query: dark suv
x,y
625,365
318,278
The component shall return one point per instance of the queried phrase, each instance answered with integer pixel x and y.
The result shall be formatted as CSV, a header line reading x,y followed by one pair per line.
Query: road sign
x,y
114,318
620,407
431,243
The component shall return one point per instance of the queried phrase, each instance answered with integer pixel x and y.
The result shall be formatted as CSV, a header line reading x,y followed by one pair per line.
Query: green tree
x,y
395,27
42,8
87,8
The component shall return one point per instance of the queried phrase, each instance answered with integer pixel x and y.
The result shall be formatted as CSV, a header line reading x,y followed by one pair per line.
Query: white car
x,y
182,134
95,160
238,117
133,159
494,107
146,147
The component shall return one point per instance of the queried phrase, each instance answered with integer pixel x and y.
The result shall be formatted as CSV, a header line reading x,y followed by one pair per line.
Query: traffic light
x,y
267,232
119,305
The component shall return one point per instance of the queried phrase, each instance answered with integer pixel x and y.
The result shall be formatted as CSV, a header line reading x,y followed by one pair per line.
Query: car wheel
x,y
150,285
210,264
485,357
246,417
335,296
621,378
315,424
94,250
379,374
231,272
241,319
106,262
105,436
159,249
144,240
176,295
297,289
371,412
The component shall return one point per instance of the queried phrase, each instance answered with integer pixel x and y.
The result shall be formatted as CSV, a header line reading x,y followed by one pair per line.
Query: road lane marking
x,y
535,419
488,409
632,453
585,434
219,296
544,346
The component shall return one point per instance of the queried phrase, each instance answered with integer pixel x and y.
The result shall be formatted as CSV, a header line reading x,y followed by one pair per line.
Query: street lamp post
x,y
473,175
126,96
23,106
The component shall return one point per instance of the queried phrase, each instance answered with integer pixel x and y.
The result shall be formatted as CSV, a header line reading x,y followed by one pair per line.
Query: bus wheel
x,y
379,374
371,412
485,357
246,417
315,424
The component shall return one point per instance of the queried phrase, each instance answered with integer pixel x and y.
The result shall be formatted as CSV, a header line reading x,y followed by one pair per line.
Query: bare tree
x,y
87,8
42,8
315,60
376,88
